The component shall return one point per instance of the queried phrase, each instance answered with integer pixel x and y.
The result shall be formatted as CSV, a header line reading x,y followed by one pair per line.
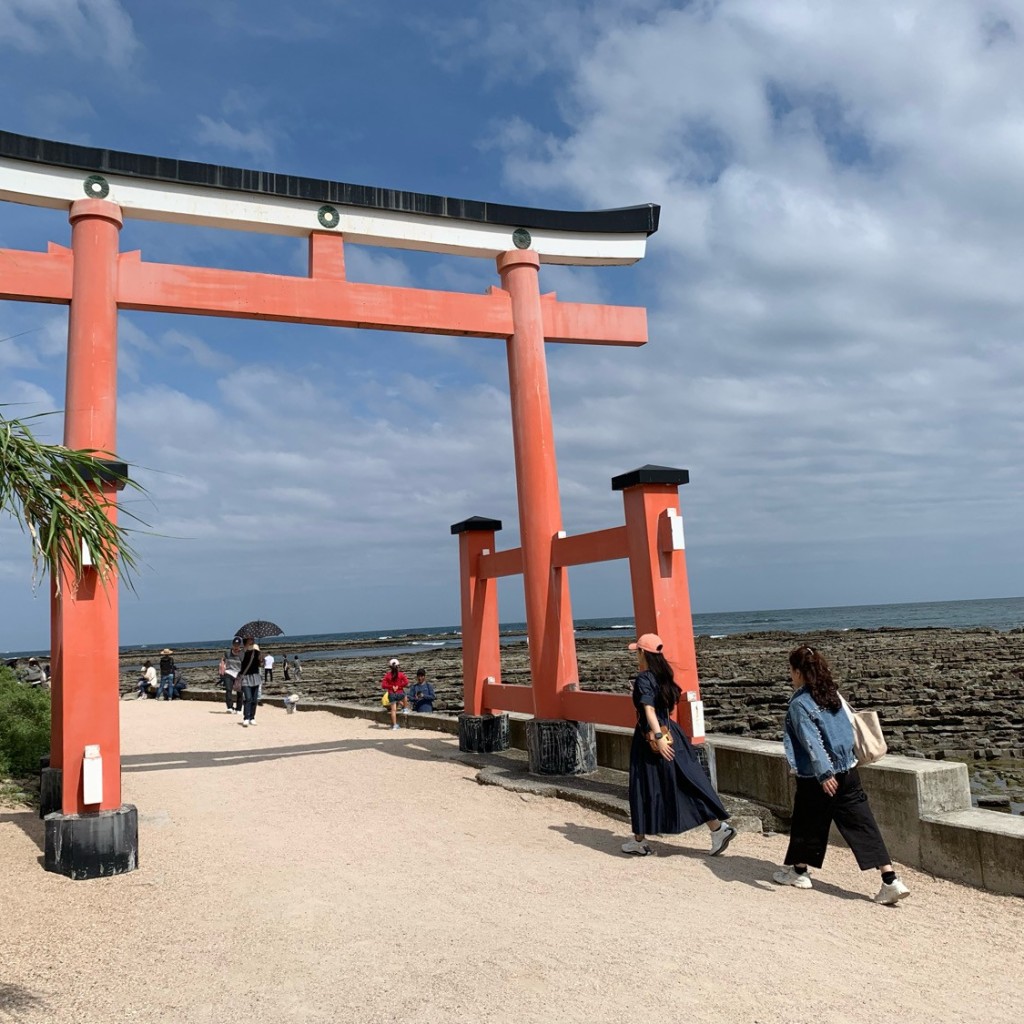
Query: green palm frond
x,y
47,489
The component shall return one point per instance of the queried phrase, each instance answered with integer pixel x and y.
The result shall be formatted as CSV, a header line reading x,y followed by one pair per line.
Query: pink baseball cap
x,y
649,642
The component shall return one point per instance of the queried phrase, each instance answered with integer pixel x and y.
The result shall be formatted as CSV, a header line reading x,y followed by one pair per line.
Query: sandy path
x,y
323,869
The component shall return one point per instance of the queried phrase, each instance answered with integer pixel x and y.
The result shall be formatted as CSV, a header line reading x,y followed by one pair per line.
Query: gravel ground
x,y
324,869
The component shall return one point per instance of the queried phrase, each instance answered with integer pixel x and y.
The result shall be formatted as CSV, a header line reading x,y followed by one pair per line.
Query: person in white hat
x,y
669,791
394,683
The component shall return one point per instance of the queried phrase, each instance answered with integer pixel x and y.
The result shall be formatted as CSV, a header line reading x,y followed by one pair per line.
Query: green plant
x,y
24,726
47,489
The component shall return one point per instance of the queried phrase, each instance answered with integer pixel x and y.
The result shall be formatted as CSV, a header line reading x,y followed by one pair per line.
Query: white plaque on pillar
x,y
697,718
92,775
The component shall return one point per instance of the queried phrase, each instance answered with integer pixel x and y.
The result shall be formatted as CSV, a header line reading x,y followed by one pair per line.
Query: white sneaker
x,y
891,894
231,711
252,722
640,849
790,876
396,726
722,838
245,722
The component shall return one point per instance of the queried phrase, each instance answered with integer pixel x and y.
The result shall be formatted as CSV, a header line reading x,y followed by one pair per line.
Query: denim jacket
x,y
818,742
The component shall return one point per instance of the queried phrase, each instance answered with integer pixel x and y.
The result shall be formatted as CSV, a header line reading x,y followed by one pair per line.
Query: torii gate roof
x,y
38,172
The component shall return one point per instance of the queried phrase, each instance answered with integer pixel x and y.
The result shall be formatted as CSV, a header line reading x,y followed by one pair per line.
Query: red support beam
x,y
509,698
501,563
586,548
604,708
324,297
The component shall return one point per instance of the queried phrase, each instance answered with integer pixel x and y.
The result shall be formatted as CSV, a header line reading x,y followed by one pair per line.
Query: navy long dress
x,y
666,797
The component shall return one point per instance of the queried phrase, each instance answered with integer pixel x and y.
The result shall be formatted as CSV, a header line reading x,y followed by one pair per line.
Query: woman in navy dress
x,y
669,791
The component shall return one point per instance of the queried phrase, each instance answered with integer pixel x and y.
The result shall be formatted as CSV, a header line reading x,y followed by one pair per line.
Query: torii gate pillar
x,y
555,746
91,834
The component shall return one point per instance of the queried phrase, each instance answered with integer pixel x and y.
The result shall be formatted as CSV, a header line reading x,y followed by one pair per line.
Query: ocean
x,y
995,613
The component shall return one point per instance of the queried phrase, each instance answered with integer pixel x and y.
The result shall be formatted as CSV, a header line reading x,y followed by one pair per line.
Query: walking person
x,y
286,666
669,791
166,674
395,681
819,747
249,673
231,664
268,668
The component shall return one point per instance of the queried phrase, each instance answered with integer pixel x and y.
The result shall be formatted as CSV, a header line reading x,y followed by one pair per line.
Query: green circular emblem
x,y
96,186
521,238
328,216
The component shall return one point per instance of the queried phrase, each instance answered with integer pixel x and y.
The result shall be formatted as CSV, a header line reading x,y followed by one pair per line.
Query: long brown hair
x,y
667,685
817,676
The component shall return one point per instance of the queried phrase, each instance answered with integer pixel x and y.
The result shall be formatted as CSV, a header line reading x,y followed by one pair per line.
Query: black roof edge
x,y
627,220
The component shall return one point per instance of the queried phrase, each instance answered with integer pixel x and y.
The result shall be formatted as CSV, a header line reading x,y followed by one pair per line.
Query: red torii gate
x,y
88,830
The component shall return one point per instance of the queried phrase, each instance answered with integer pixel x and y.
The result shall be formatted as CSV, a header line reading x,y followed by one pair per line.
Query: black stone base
x,y
483,734
92,845
556,747
51,781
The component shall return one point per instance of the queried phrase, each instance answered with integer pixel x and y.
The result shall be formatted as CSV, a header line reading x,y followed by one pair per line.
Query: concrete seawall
x,y
923,807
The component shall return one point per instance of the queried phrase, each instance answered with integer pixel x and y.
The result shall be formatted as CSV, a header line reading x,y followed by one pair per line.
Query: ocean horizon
x,y
1002,614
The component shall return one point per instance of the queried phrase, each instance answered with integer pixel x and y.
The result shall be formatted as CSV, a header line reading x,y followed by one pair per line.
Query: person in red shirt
x,y
395,681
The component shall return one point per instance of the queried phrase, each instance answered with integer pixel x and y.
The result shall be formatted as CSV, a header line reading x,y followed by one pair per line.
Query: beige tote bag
x,y
869,743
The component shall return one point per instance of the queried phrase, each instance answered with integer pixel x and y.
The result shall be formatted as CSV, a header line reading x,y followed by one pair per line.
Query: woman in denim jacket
x,y
819,747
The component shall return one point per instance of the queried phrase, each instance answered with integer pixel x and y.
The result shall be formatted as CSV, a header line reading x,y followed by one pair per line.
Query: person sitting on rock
x,y
422,693
147,681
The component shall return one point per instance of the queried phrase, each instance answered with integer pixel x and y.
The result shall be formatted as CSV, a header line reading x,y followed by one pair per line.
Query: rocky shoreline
x,y
941,693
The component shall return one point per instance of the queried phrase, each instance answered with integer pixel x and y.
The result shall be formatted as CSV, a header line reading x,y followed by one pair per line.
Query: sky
x,y
835,298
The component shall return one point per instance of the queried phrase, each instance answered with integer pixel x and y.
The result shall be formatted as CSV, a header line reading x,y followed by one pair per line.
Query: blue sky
x,y
835,297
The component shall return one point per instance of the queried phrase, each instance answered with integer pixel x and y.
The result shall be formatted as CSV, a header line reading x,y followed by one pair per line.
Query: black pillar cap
x,y
109,471
478,523
650,475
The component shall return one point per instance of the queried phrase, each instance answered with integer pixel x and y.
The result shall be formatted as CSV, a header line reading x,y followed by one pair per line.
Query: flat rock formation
x,y
939,692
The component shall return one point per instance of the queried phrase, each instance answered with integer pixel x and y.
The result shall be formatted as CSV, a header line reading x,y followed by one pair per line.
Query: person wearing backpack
x,y
818,740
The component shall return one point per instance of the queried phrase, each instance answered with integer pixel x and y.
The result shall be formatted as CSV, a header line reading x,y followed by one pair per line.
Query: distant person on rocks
x,y
818,739
33,673
250,676
287,668
268,668
422,693
231,664
179,686
147,681
395,682
297,669
669,791
166,674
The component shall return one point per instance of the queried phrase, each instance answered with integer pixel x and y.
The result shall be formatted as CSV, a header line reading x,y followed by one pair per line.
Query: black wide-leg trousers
x,y
813,813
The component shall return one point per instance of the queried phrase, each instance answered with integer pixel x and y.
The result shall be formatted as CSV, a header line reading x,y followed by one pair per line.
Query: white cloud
x,y
832,339
91,29
256,142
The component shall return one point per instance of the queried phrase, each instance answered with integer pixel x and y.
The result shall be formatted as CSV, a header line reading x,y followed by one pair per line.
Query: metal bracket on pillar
x,y
108,471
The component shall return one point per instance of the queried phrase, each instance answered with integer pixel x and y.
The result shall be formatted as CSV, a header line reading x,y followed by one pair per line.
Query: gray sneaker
x,y
640,849
721,839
